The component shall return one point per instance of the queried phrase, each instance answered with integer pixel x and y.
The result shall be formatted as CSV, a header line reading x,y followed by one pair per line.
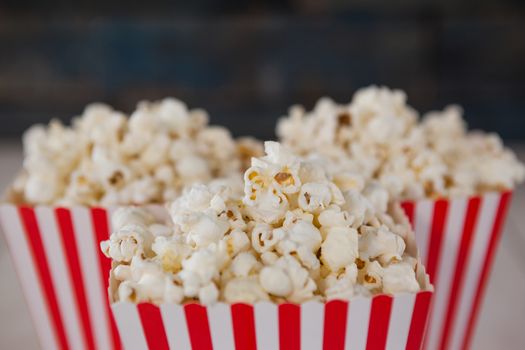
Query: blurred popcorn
x,y
107,158
378,137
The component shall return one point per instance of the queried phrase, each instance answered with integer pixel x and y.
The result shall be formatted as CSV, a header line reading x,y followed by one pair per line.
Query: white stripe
x,y
175,325
312,325
129,326
96,294
357,323
58,263
400,319
453,231
266,326
20,252
476,258
423,214
221,329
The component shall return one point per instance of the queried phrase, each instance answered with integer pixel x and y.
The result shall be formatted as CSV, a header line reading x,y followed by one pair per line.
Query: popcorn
x,y
107,158
340,247
131,215
399,278
146,282
342,285
127,242
276,281
244,290
222,245
378,137
381,243
244,264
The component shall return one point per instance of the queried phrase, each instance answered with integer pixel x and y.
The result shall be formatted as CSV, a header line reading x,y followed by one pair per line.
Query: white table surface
x,y
501,325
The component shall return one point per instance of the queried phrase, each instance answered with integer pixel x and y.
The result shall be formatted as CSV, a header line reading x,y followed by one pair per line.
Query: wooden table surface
x,y
501,325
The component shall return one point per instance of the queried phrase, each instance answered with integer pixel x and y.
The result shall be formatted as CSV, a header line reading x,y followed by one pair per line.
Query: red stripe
x,y
497,230
409,209
457,284
39,261
379,320
198,327
153,326
243,326
101,227
335,316
436,238
419,322
289,326
63,217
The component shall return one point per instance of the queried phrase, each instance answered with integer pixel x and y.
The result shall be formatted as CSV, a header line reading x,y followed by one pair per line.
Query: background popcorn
x,y
226,245
107,158
377,136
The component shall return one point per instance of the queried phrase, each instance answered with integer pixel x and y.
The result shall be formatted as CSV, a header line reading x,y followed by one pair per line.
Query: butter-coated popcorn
x,y
131,215
127,242
244,290
107,158
340,247
146,282
399,278
225,244
379,137
380,243
341,285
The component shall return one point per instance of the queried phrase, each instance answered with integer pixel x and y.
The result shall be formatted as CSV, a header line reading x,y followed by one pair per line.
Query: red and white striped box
x,y
457,240
63,273
381,322
64,277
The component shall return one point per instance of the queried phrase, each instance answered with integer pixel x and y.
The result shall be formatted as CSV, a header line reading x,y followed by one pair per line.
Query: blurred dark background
x,y
247,61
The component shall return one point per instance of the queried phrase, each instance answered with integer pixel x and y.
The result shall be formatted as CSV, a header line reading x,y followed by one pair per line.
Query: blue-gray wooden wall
x,y
246,62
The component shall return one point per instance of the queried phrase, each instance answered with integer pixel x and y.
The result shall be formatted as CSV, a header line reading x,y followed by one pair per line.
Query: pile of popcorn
x,y
291,235
108,158
379,137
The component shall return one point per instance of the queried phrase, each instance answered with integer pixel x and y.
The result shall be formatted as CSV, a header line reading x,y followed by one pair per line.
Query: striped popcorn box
x,y
381,322
457,239
63,273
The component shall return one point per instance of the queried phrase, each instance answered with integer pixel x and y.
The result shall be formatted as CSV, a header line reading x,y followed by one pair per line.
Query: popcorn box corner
x,y
62,273
457,239
381,322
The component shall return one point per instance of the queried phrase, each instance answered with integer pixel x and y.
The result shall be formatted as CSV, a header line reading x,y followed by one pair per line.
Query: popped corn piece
x,y
237,241
124,216
303,287
274,280
244,264
371,276
340,247
399,278
381,243
209,294
314,197
127,242
170,251
264,238
244,290
341,285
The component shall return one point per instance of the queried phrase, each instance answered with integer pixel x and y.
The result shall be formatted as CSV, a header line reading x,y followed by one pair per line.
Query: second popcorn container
x,y
457,240
57,211
62,273
457,185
